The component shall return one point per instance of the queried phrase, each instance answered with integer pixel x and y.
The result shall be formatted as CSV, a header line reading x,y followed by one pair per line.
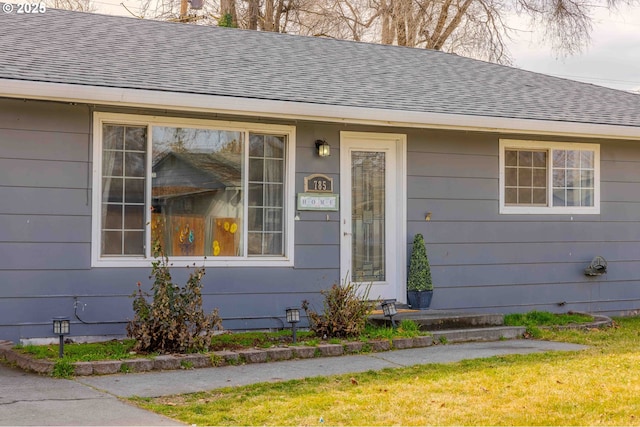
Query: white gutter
x,y
302,111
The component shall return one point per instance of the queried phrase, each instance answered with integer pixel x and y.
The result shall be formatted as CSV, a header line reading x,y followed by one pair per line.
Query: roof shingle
x,y
109,51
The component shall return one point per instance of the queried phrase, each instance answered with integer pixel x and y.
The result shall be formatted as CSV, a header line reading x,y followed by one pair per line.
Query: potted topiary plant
x,y
419,284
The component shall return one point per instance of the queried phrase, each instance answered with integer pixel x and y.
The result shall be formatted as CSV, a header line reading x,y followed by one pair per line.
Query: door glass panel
x,y
368,216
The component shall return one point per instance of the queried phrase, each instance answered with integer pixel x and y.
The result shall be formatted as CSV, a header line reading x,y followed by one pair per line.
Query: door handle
x,y
346,234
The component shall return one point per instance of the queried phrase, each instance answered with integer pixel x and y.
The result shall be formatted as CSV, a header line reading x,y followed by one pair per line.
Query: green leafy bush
x,y
174,320
419,268
345,311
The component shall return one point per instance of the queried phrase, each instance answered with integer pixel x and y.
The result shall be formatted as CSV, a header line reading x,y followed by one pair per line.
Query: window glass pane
x,y
256,170
540,178
272,244
573,197
586,159
112,163
539,197
559,197
136,139
112,189
559,158
197,190
559,178
134,164
256,195
511,177
123,172
573,159
525,196
112,243
255,243
134,191
525,158
266,225
256,219
573,178
539,159
586,179
528,175
113,137
273,195
524,177
112,217
274,170
274,146
134,217
256,145
133,242
511,158
273,220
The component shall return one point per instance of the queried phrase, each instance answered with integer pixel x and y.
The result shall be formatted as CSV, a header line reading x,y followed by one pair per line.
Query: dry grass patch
x,y
600,386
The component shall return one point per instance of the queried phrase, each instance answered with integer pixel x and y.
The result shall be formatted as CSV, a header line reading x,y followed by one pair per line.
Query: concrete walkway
x,y
28,399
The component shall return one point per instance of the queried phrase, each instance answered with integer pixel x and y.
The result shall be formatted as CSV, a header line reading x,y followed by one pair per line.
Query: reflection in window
x,y
197,191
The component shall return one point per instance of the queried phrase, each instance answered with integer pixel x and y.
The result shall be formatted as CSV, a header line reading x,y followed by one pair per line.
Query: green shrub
x,y
174,320
419,268
345,311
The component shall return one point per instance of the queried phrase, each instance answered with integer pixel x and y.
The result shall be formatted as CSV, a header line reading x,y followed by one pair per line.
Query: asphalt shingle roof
x,y
111,51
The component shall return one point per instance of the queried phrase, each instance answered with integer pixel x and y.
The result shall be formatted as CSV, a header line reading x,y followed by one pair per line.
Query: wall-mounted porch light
x,y
324,149
61,326
293,317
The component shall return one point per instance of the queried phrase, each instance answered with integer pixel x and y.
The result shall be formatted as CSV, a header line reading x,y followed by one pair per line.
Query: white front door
x,y
372,212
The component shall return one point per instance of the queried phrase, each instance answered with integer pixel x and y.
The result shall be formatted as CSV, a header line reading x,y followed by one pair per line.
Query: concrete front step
x,y
433,320
494,333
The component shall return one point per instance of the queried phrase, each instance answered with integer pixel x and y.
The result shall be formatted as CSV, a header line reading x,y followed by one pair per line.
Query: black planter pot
x,y
419,300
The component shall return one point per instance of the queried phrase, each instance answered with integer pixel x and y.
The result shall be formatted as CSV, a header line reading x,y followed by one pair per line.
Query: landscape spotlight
x,y
293,317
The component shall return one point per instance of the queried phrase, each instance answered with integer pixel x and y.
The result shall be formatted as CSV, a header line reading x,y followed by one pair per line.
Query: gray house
x,y
117,131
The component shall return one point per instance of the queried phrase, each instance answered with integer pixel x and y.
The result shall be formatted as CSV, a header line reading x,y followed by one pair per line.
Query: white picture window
x,y
538,177
212,192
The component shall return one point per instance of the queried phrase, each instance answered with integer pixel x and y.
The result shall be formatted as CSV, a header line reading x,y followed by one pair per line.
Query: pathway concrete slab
x,y
29,399
153,384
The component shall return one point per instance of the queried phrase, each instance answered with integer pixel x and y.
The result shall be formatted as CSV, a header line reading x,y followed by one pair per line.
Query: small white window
x,y
538,177
202,189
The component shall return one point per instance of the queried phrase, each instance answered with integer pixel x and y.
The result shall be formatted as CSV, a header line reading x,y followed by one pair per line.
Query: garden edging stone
x,y
226,357
216,358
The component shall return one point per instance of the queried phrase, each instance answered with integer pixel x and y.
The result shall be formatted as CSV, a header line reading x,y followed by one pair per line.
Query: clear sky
x,y
612,58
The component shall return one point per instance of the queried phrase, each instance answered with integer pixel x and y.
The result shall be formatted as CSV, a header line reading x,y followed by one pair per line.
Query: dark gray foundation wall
x,y
481,260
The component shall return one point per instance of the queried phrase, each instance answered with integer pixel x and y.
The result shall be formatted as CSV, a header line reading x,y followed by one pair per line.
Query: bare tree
x,y
476,28
79,5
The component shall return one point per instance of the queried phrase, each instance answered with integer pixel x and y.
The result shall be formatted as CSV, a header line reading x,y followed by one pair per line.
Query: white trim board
x,y
140,98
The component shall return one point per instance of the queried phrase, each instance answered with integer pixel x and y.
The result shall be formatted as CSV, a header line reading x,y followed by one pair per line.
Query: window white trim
x,y
144,261
549,146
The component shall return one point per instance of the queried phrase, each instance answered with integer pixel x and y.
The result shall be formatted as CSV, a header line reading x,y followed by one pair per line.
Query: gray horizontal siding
x,y
45,228
44,256
28,144
45,201
50,174
482,261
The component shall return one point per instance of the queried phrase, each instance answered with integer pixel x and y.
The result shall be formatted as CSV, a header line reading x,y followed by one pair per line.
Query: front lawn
x,y
598,386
